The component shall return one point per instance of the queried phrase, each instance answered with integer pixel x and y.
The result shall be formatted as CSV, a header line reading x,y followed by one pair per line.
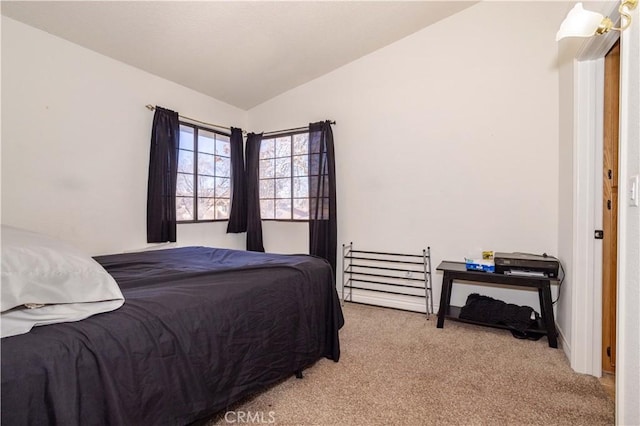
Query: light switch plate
x,y
633,191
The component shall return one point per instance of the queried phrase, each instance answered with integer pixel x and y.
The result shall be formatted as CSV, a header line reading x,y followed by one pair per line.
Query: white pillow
x,y
40,270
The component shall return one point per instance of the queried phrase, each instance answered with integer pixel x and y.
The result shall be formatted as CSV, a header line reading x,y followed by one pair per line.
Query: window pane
x,y
300,165
267,188
283,188
300,187
222,208
223,147
206,186
223,166
301,143
283,167
206,164
206,141
283,209
206,209
184,185
267,169
267,148
211,166
267,208
283,146
185,161
301,209
223,187
184,208
186,137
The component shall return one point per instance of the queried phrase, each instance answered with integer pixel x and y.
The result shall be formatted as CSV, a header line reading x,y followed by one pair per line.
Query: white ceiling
x,y
239,52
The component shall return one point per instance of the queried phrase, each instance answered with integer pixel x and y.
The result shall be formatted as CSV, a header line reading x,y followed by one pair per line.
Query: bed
x,y
200,329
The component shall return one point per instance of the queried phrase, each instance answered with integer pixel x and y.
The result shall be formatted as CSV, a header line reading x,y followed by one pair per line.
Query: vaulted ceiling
x,y
240,52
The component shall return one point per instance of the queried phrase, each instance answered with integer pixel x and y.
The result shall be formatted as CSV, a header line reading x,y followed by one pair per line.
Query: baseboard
x,y
387,301
564,343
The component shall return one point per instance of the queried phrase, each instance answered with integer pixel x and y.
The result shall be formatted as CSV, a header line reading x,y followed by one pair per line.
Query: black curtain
x,y
323,236
254,222
163,167
238,216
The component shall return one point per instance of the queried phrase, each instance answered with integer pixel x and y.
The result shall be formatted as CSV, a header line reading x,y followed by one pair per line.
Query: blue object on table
x,y
476,265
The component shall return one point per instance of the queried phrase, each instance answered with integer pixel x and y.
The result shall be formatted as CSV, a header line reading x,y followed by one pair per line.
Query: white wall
x,y
628,358
75,142
447,138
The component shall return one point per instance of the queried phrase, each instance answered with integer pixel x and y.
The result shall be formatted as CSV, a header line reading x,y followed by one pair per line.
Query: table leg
x,y
542,308
546,307
445,298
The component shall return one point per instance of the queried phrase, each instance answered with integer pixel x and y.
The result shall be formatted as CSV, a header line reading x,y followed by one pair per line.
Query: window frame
x,y
196,128
275,136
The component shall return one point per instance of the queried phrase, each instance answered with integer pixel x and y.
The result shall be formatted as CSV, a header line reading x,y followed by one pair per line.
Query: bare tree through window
x,y
203,190
284,177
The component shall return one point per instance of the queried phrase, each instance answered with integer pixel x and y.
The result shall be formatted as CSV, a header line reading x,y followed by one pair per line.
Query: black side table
x,y
458,271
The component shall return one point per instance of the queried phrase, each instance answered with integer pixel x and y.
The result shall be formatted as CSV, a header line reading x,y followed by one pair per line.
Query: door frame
x,y
586,302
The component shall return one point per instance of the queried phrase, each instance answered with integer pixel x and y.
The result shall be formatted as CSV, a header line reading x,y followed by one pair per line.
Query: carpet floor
x,y
397,368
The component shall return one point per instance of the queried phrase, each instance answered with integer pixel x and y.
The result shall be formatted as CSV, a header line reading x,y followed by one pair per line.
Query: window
x,y
284,177
203,190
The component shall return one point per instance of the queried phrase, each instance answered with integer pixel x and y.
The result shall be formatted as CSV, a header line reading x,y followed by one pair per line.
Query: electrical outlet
x,y
633,191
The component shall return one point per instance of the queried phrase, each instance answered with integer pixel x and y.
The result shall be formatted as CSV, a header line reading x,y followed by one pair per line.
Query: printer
x,y
525,264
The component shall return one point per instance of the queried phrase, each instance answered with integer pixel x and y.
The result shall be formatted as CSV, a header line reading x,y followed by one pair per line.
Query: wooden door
x,y
610,207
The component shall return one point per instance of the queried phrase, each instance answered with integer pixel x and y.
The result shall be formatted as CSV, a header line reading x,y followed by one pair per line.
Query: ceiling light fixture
x,y
584,23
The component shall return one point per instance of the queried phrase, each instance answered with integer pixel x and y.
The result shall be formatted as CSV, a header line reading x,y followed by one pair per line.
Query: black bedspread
x,y
200,329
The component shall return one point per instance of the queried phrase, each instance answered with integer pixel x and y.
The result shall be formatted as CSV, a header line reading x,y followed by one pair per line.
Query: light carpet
x,y
397,368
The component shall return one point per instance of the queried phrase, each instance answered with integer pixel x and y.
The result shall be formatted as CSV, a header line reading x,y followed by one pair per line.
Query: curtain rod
x,y
152,108
291,130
